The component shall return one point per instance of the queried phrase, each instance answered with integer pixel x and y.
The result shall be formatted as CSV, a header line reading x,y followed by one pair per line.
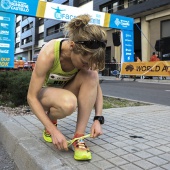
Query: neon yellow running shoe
x,y
81,151
47,135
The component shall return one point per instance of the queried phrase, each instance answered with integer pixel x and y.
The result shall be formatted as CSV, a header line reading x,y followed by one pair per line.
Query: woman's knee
x,y
69,105
89,76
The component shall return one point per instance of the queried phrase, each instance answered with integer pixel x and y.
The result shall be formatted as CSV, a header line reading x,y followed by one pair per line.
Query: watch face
x,y
100,119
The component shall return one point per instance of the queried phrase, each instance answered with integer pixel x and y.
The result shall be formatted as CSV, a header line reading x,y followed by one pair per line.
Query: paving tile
x,y
87,166
119,151
155,151
165,156
99,141
108,146
163,148
131,157
130,167
152,143
106,154
143,154
157,161
166,166
118,161
142,146
144,164
104,164
97,149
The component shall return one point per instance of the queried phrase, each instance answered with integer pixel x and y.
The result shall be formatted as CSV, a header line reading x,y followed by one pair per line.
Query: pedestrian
x,y
65,78
154,57
136,59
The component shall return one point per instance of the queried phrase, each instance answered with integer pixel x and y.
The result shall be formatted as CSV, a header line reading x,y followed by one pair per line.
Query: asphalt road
x,y
148,92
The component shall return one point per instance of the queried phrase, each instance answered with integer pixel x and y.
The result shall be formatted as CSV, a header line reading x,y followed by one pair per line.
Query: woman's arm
x,y
96,129
43,65
99,102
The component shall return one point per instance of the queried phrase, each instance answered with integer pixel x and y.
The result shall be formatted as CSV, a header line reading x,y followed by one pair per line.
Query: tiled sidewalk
x,y
114,150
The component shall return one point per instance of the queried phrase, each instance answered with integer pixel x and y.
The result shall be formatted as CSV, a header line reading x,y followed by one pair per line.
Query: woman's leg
x,y
58,102
84,86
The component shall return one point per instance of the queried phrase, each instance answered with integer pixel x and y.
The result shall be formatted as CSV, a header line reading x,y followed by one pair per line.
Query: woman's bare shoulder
x,y
48,49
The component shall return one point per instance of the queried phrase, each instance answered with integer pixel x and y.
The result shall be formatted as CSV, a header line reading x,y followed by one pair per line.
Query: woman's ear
x,y
72,44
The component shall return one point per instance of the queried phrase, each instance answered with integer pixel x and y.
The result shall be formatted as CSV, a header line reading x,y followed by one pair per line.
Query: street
x,y
158,93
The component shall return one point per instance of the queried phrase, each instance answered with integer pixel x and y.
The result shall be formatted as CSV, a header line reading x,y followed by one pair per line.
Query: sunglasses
x,y
93,44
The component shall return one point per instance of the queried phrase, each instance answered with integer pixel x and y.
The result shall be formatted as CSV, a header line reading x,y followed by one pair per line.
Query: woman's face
x,y
79,61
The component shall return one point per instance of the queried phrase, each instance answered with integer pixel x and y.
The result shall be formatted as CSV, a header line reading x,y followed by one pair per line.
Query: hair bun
x,y
79,23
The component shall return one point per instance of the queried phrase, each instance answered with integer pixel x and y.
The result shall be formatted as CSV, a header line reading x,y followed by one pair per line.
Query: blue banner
x,y
127,46
120,22
23,7
7,39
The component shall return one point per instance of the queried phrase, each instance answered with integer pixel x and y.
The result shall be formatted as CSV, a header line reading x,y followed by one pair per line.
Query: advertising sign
x,y
158,68
23,7
66,13
127,46
120,22
7,34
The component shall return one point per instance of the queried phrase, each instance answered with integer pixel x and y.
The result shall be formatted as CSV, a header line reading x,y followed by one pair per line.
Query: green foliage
x,y
14,87
110,102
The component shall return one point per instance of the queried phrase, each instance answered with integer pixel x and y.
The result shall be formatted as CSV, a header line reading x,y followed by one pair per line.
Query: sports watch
x,y
99,118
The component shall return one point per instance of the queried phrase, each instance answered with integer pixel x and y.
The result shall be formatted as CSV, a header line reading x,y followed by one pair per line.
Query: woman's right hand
x,y
59,140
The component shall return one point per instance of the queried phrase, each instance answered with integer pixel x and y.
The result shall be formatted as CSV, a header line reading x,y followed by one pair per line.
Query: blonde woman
x,y
66,77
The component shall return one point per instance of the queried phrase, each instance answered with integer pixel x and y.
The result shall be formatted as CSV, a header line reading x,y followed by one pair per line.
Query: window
x,y
18,24
40,36
27,27
82,2
66,3
27,40
112,7
62,24
55,29
24,17
17,45
41,21
165,27
134,2
17,34
50,31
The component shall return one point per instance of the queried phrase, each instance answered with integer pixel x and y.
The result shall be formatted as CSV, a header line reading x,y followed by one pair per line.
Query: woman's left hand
x,y
96,129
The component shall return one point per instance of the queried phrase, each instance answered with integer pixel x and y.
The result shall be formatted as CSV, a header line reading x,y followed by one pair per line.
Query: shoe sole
x,y
84,158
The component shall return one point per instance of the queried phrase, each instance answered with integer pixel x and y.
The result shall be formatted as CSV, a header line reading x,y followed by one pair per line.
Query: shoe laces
x,y
80,144
76,140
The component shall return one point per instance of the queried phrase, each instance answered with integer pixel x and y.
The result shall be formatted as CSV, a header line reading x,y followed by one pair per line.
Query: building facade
x,y
151,24
151,28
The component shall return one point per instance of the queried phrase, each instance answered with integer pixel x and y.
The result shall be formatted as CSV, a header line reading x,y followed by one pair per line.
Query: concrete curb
x,y
23,149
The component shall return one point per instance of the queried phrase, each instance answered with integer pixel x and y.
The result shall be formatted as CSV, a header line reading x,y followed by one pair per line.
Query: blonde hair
x,y
79,29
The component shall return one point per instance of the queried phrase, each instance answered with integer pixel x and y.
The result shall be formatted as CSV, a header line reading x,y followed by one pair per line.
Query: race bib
x,y
58,80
